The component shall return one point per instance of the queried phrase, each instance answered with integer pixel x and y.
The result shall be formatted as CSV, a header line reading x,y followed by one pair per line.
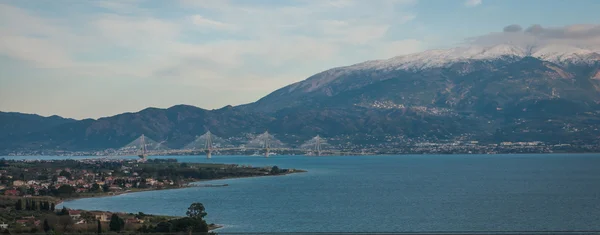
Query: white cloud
x,y
212,45
203,22
472,3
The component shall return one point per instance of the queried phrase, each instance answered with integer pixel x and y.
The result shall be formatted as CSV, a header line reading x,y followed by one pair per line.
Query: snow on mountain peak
x,y
443,58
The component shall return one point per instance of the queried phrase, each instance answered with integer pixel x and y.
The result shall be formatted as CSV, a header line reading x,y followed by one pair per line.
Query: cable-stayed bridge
x,y
209,143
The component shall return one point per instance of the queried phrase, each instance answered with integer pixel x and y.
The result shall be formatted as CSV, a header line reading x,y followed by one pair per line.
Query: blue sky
x,y
98,58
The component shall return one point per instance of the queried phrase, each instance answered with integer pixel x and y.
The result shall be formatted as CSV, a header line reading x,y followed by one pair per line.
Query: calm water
x,y
391,194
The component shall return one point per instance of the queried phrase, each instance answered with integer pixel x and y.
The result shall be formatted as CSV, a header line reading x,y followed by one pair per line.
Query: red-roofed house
x,y
75,214
12,192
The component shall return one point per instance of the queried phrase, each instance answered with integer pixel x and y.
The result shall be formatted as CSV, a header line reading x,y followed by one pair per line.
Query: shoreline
x,y
187,185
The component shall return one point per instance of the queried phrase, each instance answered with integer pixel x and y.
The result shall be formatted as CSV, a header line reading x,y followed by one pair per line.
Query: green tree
x,y
66,190
47,227
95,187
196,211
99,231
163,227
275,170
19,205
63,211
105,188
116,223
65,174
31,191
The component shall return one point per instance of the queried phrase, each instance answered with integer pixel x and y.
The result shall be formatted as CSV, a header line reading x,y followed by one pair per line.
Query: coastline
x,y
212,227
189,184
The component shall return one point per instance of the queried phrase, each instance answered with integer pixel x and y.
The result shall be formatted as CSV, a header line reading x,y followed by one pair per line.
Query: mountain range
x,y
499,93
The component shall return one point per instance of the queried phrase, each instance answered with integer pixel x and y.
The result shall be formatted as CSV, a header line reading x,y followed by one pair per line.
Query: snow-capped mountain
x,y
443,58
442,74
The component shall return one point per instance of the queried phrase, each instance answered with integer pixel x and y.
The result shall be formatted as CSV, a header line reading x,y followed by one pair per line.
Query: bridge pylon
x,y
318,145
143,151
208,145
267,144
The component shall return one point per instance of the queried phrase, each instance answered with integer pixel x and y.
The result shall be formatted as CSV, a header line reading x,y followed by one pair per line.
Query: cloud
x,y
472,3
582,35
206,44
512,28
204,22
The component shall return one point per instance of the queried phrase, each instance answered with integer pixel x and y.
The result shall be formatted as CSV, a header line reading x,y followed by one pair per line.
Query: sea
x,y
406,193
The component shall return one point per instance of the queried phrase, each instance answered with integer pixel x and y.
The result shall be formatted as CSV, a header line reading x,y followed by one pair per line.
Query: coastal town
x,y
32,191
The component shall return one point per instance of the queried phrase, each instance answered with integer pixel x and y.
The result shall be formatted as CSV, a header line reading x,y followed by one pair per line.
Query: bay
x,y
553,192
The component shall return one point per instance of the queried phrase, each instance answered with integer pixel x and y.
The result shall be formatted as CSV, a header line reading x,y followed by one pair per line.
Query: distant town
x,y
32,190
392,145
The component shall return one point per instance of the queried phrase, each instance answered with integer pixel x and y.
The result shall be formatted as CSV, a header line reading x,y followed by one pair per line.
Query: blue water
x,y
391,194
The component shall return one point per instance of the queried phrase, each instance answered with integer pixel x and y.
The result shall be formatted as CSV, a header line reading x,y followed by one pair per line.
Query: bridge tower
x,y
208,145
318,145
267,144
143,151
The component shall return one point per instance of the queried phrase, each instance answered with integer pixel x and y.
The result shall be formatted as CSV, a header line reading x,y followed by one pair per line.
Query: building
x,y
18,183
102,216
12,192
3,226
62,179
75,214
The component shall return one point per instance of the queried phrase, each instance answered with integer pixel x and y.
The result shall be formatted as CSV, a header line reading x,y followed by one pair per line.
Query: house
x,y
12,192
75,214
80,222
102,216
62,179
133,221
22,222
18,183
3,226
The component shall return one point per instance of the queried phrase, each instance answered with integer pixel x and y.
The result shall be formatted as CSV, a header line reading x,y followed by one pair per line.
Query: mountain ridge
x,y
487,93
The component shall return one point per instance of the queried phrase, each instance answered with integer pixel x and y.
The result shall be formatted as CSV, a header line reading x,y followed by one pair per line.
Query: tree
x,y
31,191
65,174
99,231
19,205
274,170
163,227
196,211
116,223
105,188
47,227
63,211
66,190
95,187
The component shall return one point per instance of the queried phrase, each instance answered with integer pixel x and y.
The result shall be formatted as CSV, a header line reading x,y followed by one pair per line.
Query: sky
x,y
97,58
